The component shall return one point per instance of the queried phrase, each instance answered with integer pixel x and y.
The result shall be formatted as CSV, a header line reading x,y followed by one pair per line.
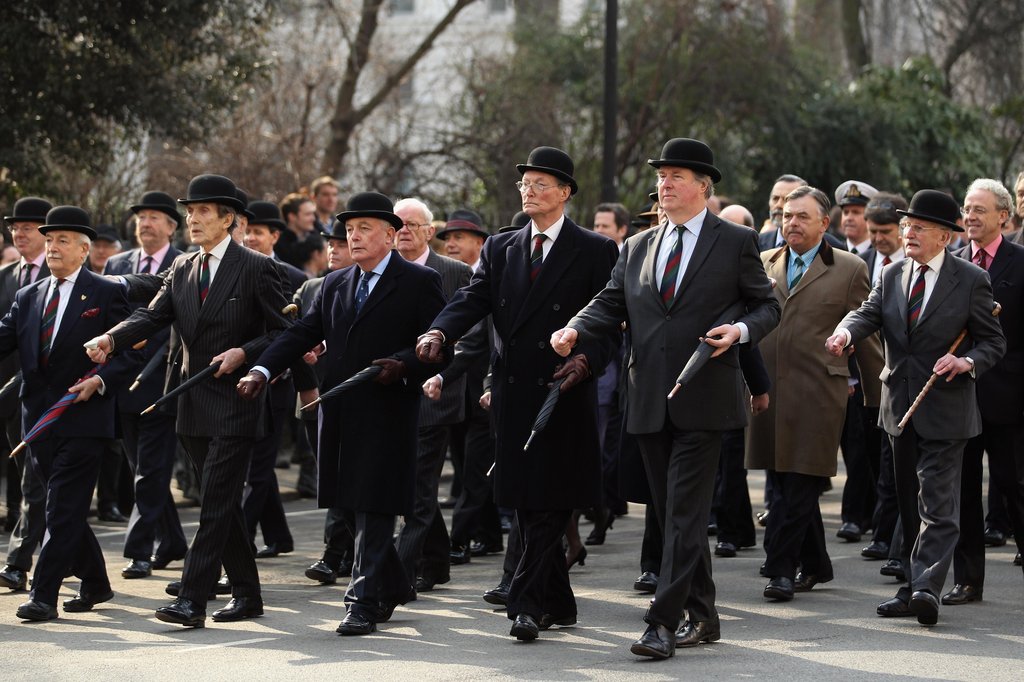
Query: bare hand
x,y
563,340
86,388
429,346
836,344
230,360
99,348
485,400
758,403
251,385
722,338
950,365
307,396
432,387
312,356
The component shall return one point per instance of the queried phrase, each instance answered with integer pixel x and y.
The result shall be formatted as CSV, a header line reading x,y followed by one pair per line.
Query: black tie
x,y
26,274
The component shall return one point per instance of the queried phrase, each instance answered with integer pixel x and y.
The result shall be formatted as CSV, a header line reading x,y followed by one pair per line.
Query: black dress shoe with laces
x,y
994,537
239,608
876,550
112,515
725,549
485,548
894,608
524,628
961,594
547,621
805,581
646,582
498,595
273,550
355,624
894,569
36,611
174,589
691,634
322,573
656,642
137,568
13,578
84,601
850,532
779,589
160,561
925,606
182,612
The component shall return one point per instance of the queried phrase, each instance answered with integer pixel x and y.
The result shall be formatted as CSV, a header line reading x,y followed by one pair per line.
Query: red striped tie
x,y
671,273
916,300
49,321
537,257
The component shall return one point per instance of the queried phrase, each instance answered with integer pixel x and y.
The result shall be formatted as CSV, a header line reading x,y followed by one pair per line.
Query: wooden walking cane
x,y
934,377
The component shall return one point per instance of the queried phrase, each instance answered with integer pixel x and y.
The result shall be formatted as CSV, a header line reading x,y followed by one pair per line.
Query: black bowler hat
x,y
29,210
244,198
370,205
265,213
519,221
107,233
335,231
158,201
688,153
70,219
213,189
464,220
935,207
552,161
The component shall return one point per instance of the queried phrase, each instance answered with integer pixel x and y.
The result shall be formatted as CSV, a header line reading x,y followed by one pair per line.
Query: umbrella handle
x,y
310,405
16,451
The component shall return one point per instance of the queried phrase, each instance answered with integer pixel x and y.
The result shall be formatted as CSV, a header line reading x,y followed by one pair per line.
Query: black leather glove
x,y
392,371
574,370
251,385
429,346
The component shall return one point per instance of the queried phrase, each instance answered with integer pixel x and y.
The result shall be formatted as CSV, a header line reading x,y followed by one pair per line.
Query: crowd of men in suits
x,y
911,347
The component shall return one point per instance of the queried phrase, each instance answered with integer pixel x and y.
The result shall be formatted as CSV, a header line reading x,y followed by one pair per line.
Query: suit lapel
x,y
705,242
999,263
945,282
34,319
901,300
563,252
650,265
78,302
516,278
816,269
778,269
169,257
388,282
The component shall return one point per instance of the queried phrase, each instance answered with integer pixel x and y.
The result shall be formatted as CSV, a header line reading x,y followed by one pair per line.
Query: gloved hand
x,y
393,370
429,346
574,370
251,385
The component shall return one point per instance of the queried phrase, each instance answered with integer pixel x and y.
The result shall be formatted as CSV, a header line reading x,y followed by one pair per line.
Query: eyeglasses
x,y
979,211
526,186
413,226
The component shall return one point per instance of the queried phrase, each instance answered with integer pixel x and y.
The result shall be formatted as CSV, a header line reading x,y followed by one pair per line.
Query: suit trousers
x,y
733,513
28,532
681,467
928,489
154,527
796,530
70,467
423,543
13,469
337,533
378,579
261,501
221,463
541,581
1005,447
859,443
109,481
886,507
653,543
609,430
513,552
475,515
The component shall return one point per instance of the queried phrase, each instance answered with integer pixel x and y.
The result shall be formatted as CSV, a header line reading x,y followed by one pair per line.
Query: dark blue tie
x,y
363,292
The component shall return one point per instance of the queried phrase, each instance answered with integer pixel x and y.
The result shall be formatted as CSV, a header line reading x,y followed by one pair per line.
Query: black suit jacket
x,y
242,309
10,276
451,408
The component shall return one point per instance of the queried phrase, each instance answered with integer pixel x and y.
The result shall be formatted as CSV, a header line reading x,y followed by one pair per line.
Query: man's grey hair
x,y
223,210
84,239
413,202
1004,202
700,177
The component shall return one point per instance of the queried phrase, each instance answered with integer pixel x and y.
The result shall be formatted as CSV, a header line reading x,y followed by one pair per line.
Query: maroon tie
x,y
537,257
886,261
981,259
916,300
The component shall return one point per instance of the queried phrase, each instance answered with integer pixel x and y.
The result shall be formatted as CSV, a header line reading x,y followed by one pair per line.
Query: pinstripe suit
x,y
423,541
217,428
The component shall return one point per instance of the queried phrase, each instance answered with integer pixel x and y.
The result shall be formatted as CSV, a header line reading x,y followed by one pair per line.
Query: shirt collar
x,y
935,263
70,278
219,250
422,258
990,249
157,257
808,256
860,246
693,224
551,233
37,261
379,268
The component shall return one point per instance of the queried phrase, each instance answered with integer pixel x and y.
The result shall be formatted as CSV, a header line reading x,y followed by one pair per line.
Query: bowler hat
x,y
553,162
370,205
464,220
244,198
688,153
935,207
519,221
213,189
69,218
158,201
107,233
854,192
29,210
335,231
265,213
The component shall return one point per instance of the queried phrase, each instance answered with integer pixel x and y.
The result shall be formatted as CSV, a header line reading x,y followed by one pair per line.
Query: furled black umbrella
x,y
151,366
704,350
186,385
545,411
360,377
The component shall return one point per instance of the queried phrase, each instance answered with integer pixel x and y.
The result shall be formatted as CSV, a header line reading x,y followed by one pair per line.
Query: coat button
x,y
541,344
668,317
556,307
540,382
511,380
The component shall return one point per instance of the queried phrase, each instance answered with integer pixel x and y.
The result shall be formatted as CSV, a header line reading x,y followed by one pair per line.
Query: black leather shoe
x,y
483,549
646,582
656,642
994,537
498,595
925,606
691,634
712,529
459,555
524,628
762,518
182,612
805,581
223,586
174,589
850,532
725,549
779,589
239,608
13,578
345,568
1016,559
894,569
84,601
112,515
961,594
894,608
322,573
271,551
159,562
137,568
37,611
547,621
425,584
355,624
876,550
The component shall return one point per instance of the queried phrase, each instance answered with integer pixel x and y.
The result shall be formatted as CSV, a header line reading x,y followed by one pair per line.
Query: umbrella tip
x,y
135,385
675,389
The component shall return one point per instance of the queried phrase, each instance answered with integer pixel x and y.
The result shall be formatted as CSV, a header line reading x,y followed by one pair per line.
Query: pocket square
x,y
91,312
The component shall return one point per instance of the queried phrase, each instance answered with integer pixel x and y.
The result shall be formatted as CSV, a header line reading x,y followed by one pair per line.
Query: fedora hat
x,y
370,205
553,162
158,201
265,213
70,219
29,210
688,153
935,207
519,221
213,189
464,220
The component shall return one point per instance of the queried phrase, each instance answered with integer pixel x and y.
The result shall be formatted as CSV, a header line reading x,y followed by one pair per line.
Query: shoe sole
x,y
703,640
35,619
167,618
959,602
347,632
641,650
926,613
495,599
232,619
727,554
778,595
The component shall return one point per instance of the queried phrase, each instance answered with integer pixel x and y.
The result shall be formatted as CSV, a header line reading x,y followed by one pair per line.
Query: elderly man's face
x,y
369,240
28,240
923,240
777,199
542,194
803,223
153,229
412,239
65,252
206,228
463,246
982,218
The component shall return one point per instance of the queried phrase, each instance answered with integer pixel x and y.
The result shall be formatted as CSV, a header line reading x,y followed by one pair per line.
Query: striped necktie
x,y
26,274
981,259
363,292
916,299
799,263
671,273
537,257
204,278
49,322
